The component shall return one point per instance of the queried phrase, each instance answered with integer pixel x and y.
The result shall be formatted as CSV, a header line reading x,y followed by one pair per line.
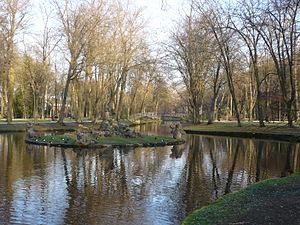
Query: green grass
x,y
142,120
38,128
171,118
71,139
32,120
149,120
272,201
231,127
12,128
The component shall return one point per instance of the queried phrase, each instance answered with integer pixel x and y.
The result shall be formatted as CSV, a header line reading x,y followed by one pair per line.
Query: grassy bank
x,y
41,127
71,138
270,131
45,125
171,118
272,201
70,141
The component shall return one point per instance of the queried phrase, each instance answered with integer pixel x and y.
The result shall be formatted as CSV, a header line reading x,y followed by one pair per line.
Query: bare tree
x,y
14,18
245,13
278,25
77,25
217,83
47,41
35,73
191,50
217,21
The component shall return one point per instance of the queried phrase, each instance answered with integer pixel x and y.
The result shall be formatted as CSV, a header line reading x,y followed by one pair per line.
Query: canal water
x,y
49,185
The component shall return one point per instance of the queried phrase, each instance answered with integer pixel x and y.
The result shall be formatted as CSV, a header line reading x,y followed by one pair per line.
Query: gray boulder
x,y
177,131
31,132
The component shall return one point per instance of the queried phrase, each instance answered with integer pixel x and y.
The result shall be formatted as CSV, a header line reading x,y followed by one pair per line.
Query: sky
x,y
161,16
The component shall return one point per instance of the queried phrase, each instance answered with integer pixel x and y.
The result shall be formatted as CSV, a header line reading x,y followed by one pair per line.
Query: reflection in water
x,y
42,185
232,167
288,165
177,151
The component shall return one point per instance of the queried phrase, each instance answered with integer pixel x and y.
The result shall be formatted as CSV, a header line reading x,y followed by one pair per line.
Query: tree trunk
x,y
10,93
55,100
120,102
131,107
196,114
267,102
258,97
212,110
35,107
44,108
2,101
289,113
236,111
64,100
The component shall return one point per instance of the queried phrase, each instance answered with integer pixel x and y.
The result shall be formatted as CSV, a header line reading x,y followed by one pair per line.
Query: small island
x,y
107,134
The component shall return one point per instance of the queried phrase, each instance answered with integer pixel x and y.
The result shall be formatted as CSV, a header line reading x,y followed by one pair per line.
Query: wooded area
x,y
90,58
239,61
235,61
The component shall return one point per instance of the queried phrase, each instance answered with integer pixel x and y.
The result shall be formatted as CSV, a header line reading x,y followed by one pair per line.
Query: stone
x,y
31,132
177,134
177,151
98,134
177,131
106,129
82,138
105,125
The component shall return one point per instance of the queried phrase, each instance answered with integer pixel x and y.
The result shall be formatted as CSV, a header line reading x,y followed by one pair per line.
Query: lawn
x,y
71,139
270,131
272,201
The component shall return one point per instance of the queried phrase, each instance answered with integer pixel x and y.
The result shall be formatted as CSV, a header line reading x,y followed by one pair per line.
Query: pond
x,y
43,185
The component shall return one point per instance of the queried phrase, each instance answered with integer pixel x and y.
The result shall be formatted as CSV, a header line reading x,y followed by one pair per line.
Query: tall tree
x,y
191,50
47,41
14,18
77,25
241,19
217,20
278,26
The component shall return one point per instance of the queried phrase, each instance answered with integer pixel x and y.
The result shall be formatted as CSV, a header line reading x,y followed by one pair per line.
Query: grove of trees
x,y
224,61
89,57
239,60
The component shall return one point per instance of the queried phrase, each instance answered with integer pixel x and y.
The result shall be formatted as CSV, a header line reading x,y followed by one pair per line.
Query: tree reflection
x,y
231,170
197,187
259,151
176,151
287,169
215,173
100,173
121,186
67,177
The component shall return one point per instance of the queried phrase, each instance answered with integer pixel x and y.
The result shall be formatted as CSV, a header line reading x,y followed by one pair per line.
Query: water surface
x,y
43,185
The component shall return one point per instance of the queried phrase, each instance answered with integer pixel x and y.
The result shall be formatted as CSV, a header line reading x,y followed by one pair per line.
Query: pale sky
x,y
160,15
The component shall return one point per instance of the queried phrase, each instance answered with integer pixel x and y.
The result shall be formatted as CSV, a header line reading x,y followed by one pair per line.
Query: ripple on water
x,y
130,186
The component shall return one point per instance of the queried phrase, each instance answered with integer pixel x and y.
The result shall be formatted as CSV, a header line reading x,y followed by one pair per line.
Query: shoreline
x,y
40,127
44,126
136,145
271,201
248,130
66,141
